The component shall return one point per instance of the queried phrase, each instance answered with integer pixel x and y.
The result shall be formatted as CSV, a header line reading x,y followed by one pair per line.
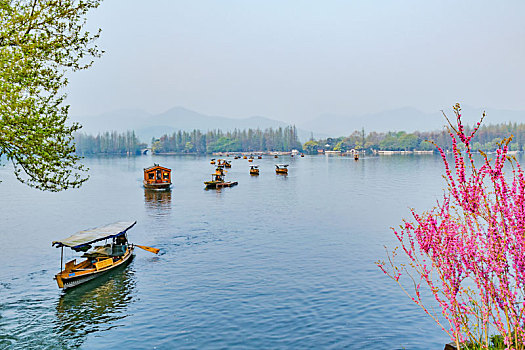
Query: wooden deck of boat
x,y
76,274
226,184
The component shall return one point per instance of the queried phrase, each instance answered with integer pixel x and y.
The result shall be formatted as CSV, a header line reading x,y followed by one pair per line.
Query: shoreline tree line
x,y
285,139
247,140
486,139
124,143
191,142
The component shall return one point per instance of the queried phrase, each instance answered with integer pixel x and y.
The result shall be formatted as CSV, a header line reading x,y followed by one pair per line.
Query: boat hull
x,y
67,282
157,186
214,184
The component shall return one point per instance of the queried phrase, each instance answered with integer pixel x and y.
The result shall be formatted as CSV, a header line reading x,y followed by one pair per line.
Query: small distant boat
x,y
259,157
157,177
356,156
281,169
99,259
212,161
254,170
276,156
250,159
217,179
244,157
302,155
223,163
236,157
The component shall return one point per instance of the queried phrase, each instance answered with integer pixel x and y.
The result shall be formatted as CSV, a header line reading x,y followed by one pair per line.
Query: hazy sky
x,y
294,60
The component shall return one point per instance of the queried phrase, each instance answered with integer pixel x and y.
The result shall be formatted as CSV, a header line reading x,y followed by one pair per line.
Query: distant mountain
x,y
179,118
148,126
405,119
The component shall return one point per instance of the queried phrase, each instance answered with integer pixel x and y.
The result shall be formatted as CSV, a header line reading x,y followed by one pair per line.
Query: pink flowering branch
x,y
469,250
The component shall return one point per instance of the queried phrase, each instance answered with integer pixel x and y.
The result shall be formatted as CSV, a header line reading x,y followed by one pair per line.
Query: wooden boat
x,y
100,259
223,163
250,160
259,157
302,155
157,177
356,156
244,157
212,161
217,179
281,169
276,156
254,170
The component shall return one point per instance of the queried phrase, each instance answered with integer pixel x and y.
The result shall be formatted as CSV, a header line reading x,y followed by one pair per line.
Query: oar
x,y
149,249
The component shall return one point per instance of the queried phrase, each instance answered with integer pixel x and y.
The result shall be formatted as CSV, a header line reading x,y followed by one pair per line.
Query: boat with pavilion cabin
x,y
157,177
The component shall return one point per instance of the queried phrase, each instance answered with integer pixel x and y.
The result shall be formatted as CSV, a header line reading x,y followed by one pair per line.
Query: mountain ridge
x,y
409,119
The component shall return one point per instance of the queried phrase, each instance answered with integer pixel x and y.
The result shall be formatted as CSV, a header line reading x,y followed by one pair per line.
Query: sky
x,y
294,60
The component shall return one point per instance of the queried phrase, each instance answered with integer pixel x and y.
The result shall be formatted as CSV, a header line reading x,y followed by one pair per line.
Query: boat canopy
x,y
281,165
82,238
156,166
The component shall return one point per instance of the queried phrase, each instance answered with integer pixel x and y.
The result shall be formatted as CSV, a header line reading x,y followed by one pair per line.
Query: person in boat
x,y
100,259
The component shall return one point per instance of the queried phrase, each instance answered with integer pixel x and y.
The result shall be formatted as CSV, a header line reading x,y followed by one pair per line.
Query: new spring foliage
x,y
40,42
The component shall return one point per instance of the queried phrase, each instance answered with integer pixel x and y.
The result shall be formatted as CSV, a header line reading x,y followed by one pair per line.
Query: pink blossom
x,y
469,250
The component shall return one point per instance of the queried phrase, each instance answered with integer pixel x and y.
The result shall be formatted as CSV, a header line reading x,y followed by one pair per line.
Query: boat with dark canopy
x,y
281,169
254,170
99,259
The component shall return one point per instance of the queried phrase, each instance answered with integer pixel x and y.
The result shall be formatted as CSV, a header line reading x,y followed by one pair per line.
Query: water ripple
x,y
276,262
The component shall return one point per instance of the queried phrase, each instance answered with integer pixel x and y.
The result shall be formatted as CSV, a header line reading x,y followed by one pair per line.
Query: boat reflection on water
x,y
157,200
94,306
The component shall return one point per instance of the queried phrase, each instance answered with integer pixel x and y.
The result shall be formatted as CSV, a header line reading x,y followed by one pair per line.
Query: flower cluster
x,y
470,249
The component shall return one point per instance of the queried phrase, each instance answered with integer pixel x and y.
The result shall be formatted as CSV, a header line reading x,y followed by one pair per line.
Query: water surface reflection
x,y
94,306
157,200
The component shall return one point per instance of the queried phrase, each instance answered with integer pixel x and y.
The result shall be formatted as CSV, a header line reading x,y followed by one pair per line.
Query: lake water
x,y
277,262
